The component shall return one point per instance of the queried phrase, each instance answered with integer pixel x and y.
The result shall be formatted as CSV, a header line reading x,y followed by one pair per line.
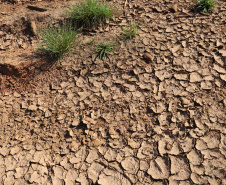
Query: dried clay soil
x,y
152,114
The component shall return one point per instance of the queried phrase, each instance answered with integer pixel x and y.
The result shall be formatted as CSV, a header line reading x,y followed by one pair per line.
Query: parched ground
x,y
152,114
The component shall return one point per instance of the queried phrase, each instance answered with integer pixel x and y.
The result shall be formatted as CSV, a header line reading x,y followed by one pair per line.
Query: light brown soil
x,y
153,113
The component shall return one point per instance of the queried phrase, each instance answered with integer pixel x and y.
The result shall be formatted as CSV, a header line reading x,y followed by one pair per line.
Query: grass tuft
x,y
205,6
90,13
57,40
103,49
130,32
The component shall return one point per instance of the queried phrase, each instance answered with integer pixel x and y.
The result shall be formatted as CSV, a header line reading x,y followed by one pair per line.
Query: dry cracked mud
x,y
154,114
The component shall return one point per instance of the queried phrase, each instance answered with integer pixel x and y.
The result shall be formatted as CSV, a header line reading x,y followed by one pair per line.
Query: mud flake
x,y
219,69
159,168
163,74
94,171
207,85
195,77
179,168
111,177
130,164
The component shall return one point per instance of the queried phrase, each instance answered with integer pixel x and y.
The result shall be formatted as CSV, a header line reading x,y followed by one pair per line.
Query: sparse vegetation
x,y
130,32
103,49
205,6
57,40
90,13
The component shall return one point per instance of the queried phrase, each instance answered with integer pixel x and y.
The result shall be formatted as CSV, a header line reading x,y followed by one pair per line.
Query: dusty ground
x,y
131,120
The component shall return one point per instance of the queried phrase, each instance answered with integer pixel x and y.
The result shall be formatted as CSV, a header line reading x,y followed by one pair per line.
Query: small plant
x,y
57,40
205,6
103,49
90,13
130,32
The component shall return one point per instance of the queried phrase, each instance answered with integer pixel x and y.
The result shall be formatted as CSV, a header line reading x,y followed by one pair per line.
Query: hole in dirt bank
x,y
7,69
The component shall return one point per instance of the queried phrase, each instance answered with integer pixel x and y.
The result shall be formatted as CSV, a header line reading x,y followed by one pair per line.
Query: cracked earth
x,y
154,114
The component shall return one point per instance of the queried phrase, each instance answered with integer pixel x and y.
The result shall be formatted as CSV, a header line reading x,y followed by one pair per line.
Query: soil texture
x,y
152,113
